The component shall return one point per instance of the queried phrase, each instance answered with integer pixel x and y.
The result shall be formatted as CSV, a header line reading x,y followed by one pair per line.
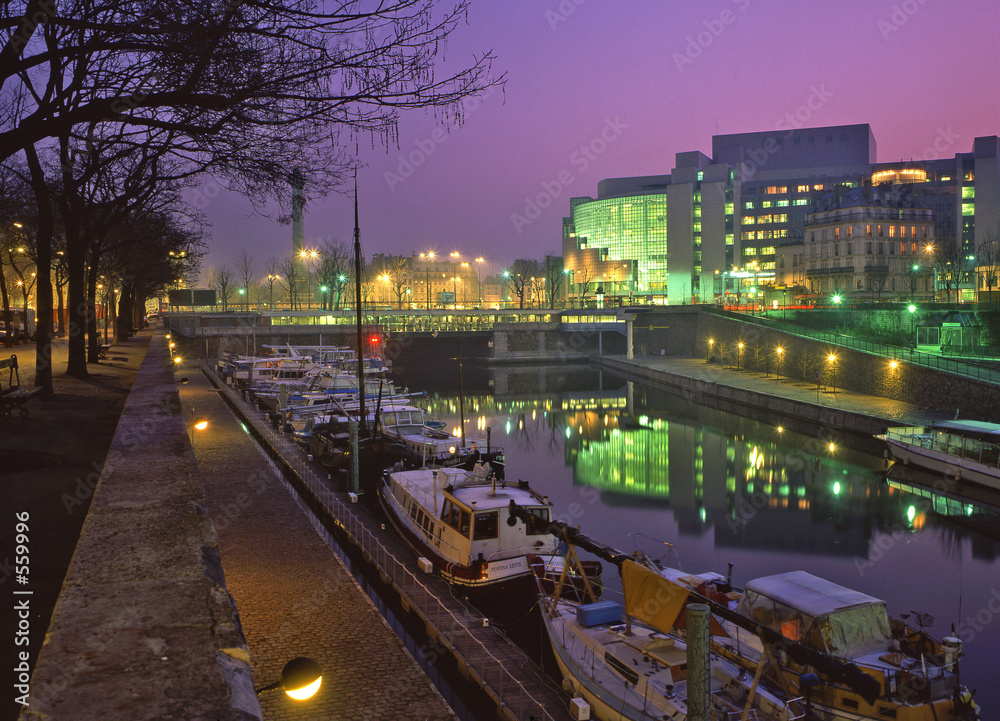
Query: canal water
x,y
641,469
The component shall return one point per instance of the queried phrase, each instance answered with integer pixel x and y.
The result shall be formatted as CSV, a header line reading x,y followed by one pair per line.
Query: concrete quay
x,y
766,397
294,594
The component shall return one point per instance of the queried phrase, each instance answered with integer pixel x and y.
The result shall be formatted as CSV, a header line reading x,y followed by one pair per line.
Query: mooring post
x,y
699,664
355,466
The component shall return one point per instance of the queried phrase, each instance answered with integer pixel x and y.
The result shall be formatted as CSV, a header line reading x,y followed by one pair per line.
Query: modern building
x,y
717,223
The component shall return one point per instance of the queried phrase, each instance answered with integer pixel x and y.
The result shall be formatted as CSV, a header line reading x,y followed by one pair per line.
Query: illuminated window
x,y
748,205
892,231
913,231
902,231
765,204
729,208
749,220
881,231
868,230
781,203
836,233
968,192
850,231
968,208
802,189
818,187
729,239
775,189
913,247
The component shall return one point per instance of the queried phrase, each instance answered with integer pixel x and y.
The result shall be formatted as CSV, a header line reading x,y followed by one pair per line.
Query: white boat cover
x,y
818,613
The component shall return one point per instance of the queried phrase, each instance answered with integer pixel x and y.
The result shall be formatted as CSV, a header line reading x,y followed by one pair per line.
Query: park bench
x,y
13,396
102,351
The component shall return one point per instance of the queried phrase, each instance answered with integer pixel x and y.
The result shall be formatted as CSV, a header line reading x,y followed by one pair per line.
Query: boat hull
x,y
959,468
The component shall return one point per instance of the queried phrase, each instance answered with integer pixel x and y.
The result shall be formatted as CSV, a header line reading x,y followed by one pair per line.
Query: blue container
x,y
594,614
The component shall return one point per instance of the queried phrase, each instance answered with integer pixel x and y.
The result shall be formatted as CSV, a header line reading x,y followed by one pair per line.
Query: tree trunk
x,y
77,302
90,305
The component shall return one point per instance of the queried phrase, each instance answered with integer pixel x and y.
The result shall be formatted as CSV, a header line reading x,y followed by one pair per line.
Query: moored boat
x,y
788,646
458,521
965,450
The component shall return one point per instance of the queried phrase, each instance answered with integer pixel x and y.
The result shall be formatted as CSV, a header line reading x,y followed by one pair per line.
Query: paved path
x,y
899,412
293,594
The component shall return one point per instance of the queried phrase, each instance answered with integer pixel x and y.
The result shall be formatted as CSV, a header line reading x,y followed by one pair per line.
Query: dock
x,y
516,685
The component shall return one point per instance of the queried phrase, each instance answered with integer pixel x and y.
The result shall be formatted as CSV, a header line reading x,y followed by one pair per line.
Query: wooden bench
x,y
13,396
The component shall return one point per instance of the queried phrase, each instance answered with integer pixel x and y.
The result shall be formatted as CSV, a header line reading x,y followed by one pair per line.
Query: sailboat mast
x,y
363,421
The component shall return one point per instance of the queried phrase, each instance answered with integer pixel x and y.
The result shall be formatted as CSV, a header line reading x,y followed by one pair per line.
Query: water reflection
x,y
626,461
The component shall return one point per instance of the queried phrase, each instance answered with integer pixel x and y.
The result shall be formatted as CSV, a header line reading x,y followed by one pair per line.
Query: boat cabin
x,y
818,614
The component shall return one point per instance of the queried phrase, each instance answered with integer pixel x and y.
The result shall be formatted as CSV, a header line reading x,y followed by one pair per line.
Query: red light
x,y
374,340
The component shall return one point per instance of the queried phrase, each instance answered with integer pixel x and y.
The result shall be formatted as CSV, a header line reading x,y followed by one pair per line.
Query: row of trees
x,y
109,110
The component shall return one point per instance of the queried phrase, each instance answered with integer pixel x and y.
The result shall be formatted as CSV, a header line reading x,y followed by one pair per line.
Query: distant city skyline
x,y
596,91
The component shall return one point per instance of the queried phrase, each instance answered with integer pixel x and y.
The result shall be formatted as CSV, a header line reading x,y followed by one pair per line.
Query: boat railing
x,y
337,516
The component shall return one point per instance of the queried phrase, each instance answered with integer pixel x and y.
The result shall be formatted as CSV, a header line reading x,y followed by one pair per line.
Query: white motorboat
x,y
965,450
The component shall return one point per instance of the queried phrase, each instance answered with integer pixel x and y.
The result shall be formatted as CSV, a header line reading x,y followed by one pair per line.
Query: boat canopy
x,y
979,430
818,613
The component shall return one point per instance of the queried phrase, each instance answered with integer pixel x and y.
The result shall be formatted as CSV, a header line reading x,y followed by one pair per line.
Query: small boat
x,y
458,521
965,450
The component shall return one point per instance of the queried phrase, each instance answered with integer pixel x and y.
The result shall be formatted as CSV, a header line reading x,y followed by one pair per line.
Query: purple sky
x,y
921,72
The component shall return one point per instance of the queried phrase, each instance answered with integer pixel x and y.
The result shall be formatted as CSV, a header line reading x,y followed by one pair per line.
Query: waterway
x,y
639,468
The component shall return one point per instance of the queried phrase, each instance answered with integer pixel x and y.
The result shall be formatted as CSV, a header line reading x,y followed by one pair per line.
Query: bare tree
x,y
519,278
288,279
988,263
807,363
555,276
246,270
876,277
272,267
333,271
582,278
221,281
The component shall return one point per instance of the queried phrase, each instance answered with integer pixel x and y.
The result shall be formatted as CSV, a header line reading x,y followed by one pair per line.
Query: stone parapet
x,y
144,626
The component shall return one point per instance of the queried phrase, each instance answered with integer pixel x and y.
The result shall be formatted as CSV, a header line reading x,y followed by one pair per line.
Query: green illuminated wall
x,y
629,228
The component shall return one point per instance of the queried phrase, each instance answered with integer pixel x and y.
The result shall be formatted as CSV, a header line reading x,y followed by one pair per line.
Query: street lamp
x,y
780,351
385,292
466,299
454,300
243,301
324,289
308,256
271,278
300,679
428,257
479,287
739,355
832,359
711,347
341,279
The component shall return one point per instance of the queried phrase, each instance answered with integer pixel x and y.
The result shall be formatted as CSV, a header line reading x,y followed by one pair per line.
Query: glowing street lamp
x,y
300,679
711,347
479,287
428,257
307,257
832,360
780,351
739,355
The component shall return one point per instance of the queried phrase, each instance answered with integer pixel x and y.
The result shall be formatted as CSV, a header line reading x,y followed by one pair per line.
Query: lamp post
x,y
466,299
428,257
300,679
323,289
271,279
832,359
780,351
341,279
739,355
711,347
454,300
307,257
479,287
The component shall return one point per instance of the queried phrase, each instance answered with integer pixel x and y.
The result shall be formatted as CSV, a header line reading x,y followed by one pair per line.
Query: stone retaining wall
x,y
144,626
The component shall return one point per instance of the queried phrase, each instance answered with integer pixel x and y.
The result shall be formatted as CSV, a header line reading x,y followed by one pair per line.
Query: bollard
x,y
699,663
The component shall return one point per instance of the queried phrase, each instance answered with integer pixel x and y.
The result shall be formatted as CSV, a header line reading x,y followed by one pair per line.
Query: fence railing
x,y
980,371
451,630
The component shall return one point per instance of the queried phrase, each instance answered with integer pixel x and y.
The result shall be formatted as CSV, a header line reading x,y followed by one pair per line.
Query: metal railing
x,y
451,630
968,369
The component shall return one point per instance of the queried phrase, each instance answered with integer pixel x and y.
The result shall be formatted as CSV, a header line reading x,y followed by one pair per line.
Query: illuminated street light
x,y
739,355
300,679
832,360
780,351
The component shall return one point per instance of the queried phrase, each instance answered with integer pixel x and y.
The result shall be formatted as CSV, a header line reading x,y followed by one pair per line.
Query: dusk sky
x,y
598,89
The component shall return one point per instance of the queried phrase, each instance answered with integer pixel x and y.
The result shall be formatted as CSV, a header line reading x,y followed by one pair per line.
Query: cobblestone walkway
x,y
294,596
